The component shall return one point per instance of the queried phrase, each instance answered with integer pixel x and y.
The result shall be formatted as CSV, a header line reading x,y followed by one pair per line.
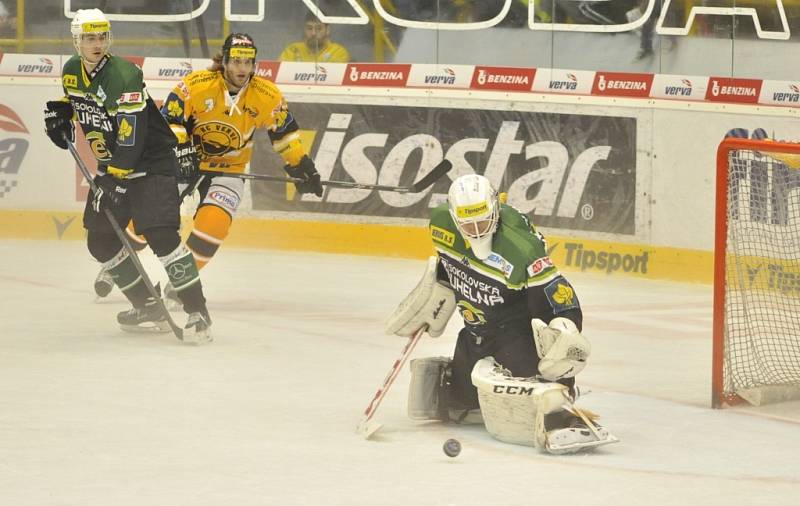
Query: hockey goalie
x,y
515,361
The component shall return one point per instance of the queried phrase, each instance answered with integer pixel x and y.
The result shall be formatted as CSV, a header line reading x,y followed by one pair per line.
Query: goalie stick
x,y
440,170
125,243
367,427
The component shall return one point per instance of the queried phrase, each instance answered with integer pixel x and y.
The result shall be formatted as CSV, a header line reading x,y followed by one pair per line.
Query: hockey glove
x,y
110,191
58,123
188,168
306,171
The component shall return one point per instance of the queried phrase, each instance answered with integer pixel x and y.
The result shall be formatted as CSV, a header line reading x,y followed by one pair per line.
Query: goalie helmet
x,y
90,21
476,211
239,45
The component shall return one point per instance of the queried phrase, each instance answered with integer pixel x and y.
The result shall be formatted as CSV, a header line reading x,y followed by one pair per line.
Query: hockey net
x,y
756,352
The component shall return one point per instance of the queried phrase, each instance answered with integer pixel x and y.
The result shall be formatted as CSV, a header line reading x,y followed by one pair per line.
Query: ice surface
x,y
266,414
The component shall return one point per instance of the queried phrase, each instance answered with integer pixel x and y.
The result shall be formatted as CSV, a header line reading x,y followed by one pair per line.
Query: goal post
x,y
756,328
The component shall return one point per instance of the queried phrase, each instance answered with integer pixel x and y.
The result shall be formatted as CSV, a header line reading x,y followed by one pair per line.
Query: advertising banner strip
x,y
727,89
785,93
475,77
622,84
572,82
376,74
566,171
677,87
502,78
570,254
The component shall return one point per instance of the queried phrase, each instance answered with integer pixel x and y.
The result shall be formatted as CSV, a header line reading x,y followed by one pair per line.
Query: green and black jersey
x,y
515,283
122,124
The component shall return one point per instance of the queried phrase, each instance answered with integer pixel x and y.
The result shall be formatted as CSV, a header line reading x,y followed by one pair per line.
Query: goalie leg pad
x,y
511,407
429,304
427,399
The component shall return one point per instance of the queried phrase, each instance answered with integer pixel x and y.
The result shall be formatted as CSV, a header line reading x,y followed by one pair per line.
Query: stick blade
x,y
440,170
367,428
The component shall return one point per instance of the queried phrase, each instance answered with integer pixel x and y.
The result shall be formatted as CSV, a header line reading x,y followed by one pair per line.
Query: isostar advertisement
x,y
568,171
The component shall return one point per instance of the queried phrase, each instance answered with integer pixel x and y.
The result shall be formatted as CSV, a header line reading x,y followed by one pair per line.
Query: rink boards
x,y
618,185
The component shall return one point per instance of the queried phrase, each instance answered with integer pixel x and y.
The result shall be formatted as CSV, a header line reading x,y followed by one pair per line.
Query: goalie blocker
x,y
429,304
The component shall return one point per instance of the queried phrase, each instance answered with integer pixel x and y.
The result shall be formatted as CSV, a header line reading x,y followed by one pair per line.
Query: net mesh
x,y
762,278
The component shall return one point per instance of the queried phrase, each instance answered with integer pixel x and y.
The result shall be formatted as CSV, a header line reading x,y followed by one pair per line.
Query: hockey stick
x,y
367,427
440,170
125,243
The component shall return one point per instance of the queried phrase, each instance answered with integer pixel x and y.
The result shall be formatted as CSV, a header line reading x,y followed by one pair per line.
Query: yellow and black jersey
x,y
222,125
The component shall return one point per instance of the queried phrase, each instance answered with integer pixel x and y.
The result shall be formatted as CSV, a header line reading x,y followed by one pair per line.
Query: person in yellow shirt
x,y
214,114
316,46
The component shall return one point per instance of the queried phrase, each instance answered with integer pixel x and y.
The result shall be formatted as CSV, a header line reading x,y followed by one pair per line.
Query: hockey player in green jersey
x,y
136,173
521,346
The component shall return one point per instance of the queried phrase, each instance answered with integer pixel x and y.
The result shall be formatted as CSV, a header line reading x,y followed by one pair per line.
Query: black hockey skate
x,y
103,283
198,328
148,318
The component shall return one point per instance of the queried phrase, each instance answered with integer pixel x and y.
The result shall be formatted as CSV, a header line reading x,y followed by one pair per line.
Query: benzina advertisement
x,y
566,171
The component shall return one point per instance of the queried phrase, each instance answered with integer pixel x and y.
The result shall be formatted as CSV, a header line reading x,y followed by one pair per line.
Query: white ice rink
x,y
265,415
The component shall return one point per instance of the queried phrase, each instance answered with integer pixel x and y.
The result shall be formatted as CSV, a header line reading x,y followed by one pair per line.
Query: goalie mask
x,y
91,34
476,211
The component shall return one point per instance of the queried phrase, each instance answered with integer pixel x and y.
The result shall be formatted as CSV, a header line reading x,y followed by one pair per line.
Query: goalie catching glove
x,y
429,304
562,349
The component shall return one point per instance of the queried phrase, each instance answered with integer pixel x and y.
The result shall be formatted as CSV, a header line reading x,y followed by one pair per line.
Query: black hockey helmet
x,y
238,45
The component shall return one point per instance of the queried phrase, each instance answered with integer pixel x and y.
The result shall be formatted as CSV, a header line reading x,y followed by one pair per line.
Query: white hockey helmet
x,y
89,21
476,211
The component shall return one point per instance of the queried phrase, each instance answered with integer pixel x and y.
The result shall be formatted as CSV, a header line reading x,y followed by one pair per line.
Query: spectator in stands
x,y
7,21
317,45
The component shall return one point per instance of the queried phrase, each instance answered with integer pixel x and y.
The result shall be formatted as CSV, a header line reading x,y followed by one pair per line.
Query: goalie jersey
x,y
222,125
120,121
515,283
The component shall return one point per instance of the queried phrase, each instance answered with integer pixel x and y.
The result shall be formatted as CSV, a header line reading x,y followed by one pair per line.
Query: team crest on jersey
x,y
126,129
499,263
443,236
561,296
209,104
471,314
174,109
279,115
539,265
216,138
101,93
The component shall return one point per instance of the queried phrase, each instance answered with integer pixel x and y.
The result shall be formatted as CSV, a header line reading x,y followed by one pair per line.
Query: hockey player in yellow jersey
x,y
214,114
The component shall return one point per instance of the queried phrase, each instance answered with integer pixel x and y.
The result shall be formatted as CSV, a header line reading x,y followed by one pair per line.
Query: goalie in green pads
x,y
515,360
